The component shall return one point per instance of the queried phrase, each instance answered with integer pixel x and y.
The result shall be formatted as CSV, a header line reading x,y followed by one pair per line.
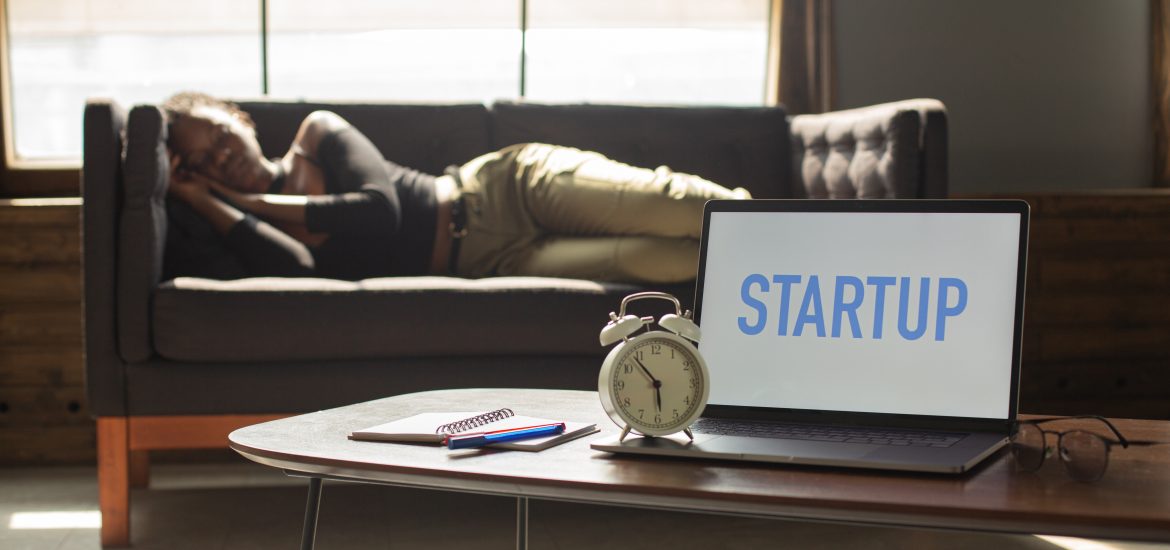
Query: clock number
x,y
672,353
640,354
687,364
657,419
626,401
691,383
655,349
687,399
676,414
641,413
627,368
620,385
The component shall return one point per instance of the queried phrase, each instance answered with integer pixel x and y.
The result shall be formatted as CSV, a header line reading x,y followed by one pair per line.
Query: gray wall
x,y
1042,95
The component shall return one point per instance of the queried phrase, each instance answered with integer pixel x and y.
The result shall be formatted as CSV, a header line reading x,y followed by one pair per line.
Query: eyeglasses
x,y
1085,455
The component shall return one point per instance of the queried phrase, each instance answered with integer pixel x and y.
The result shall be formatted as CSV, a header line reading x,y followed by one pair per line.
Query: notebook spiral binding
x,y
474,422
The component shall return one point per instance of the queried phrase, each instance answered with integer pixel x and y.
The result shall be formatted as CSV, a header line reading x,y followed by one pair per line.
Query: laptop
x,y
857,333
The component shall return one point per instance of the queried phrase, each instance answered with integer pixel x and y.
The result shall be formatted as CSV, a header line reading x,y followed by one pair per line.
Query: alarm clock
x,y
655,383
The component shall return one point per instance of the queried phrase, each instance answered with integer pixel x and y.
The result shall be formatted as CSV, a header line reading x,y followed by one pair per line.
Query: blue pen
x,y
472,441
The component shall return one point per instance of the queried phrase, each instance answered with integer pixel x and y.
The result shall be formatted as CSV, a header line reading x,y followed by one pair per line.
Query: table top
x,y
1131,502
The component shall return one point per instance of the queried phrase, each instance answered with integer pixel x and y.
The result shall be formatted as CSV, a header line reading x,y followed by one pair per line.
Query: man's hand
x,y
195,190
194,187
187,186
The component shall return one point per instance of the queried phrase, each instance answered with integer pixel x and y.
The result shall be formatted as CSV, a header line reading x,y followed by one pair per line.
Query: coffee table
x,y
1131,502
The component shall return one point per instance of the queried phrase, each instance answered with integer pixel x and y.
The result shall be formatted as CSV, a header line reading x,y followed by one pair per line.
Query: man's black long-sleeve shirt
x,y
379,217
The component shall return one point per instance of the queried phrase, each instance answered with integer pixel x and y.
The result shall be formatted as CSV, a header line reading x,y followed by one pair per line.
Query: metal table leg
x,y
312,507
521,523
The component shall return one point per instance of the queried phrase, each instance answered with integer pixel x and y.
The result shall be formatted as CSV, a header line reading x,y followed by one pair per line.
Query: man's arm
x,y
196,191
281,208
264,249
303,160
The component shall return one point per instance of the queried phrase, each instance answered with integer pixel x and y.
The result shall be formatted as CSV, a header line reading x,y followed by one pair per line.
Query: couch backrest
x,y
424,137
733,146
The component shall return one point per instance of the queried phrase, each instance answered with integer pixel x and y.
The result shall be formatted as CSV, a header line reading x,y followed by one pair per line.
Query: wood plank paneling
x,y
49,324
44,417
33,246
40,213
1097,335
34,444
1102,230
1104,343
1123,307
1127,272
38,284
41,366
43,406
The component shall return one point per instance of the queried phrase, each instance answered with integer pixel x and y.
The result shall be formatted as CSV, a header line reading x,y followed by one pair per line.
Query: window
x,y
651,51
394,50
60,52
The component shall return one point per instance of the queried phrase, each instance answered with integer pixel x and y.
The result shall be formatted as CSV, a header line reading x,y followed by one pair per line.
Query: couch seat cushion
x,y
285,319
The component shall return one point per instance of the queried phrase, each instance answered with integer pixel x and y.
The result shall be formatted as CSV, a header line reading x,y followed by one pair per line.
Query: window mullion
x,y
264,47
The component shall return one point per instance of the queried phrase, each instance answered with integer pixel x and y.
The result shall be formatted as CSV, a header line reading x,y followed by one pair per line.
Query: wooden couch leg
x,y
113,451
139,469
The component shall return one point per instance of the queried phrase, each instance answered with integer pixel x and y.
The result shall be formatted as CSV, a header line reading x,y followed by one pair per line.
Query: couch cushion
x,y
733,146
299,319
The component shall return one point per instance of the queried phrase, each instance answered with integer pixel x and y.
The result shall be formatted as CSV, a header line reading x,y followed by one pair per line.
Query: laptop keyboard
x,y
812,432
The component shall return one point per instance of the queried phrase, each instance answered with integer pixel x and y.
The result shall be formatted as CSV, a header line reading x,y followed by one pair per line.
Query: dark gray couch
x,y
176,355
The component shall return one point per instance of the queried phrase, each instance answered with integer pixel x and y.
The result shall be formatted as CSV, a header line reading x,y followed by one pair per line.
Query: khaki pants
x,y
543,210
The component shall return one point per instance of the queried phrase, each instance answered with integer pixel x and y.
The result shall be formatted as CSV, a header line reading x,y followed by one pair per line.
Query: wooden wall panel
x,y
41,323
69,444
1097,313
43,413
36,366
57,283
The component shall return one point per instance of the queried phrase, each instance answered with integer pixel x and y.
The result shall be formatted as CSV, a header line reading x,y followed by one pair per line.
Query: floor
x,y
239,505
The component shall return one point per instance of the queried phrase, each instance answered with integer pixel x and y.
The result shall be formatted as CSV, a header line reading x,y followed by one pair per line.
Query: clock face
x,y
656,382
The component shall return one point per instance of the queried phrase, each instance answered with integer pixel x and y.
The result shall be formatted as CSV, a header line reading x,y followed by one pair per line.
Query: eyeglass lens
x,y
1085,455
1028,447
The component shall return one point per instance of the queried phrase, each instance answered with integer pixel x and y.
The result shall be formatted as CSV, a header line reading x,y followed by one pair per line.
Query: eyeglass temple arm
x,y
1120,438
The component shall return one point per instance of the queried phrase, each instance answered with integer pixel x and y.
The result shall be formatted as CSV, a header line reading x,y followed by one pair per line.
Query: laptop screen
x,y
873,311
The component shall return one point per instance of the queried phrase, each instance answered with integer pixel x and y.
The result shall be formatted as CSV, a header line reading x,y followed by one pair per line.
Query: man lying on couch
x,y
333,207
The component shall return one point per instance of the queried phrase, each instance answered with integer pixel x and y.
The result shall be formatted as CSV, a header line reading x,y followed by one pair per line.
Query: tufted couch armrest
x,y
893,150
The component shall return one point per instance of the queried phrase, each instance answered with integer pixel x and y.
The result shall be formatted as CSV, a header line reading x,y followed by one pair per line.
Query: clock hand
x,y
657,384
646,370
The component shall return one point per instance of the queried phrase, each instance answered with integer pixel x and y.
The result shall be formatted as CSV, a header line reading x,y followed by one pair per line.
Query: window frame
x,y
26,178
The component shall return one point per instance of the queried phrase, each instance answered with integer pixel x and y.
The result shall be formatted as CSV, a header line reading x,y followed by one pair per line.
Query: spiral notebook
x,y
432,427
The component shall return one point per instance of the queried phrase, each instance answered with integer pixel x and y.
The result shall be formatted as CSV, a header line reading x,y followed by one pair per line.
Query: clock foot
x,y
689,434
625,432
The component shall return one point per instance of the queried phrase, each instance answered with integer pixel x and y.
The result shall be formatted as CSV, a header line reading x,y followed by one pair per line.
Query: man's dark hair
x,y
182,103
